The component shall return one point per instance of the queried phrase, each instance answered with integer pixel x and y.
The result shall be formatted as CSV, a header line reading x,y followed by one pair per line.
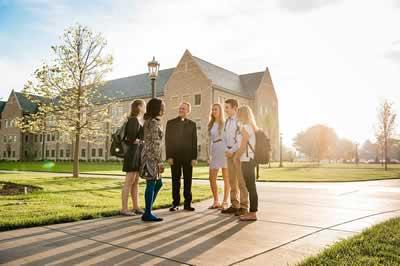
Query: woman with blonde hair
x,y
245,155
217,159
134,140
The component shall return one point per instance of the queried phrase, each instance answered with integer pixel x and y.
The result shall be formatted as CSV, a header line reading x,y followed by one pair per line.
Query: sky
x,y
332,62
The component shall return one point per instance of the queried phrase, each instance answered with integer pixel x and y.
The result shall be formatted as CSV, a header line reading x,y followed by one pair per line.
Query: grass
x,y
64,199
60,167
378,245
298,172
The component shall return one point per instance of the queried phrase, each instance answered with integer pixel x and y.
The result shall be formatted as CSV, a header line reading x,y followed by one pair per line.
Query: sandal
x,y
214,206
224,206
138,211
127,213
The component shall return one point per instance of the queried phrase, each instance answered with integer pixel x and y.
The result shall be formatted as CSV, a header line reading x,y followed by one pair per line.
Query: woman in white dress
x,y
217,159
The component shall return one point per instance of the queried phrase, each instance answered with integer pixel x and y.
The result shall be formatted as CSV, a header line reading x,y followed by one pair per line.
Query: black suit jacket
x,y
181,144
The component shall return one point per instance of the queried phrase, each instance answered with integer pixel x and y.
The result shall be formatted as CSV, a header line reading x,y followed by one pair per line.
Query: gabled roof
x,y
27,105
135,86
220,76
245,85
250,82
2,104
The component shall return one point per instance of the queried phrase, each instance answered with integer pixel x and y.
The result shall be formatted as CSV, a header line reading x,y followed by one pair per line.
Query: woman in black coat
x,y
133,139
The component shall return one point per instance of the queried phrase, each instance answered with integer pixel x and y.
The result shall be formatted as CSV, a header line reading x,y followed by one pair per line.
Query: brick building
x,y
194,80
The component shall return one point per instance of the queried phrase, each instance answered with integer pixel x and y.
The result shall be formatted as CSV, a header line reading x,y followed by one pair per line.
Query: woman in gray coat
x,y
152,167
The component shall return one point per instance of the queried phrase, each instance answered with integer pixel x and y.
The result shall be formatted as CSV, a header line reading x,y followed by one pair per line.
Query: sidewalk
x,y
295,221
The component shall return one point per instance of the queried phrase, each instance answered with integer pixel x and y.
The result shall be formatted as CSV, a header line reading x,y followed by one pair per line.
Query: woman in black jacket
x,y
133,139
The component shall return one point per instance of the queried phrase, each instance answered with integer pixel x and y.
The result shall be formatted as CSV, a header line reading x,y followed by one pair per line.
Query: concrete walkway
x,y
295,220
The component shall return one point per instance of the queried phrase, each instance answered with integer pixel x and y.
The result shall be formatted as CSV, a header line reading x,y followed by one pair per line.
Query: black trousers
x,y
177,168
249,175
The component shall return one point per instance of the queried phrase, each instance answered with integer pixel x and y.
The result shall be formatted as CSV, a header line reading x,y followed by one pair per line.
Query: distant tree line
x,y
321,142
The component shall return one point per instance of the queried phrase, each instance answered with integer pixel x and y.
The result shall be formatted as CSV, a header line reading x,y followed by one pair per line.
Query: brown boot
x,y
241,211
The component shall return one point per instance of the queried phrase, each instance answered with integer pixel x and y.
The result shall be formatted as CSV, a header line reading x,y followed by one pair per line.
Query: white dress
x,y
217,149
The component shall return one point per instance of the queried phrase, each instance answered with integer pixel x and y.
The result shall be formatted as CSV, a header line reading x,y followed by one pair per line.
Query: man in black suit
x,y
181,151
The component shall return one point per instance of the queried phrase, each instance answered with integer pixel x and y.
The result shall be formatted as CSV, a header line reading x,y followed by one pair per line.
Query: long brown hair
x,y
135,108
213,120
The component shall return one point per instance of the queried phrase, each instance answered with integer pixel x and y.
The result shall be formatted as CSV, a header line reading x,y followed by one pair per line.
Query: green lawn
x,y
378,245
64,199
300,172
60,167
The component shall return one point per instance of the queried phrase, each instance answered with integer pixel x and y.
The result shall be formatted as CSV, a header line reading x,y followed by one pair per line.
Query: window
x,y
83,153
13,154
53,137
26,138
48,137
198,148
61,153
36,138
15,138
67,153
175,101
41,138
10,139
93,152
100,152
6,123
47,153
197,99
26,154
117,111
198,124
5,139
53,153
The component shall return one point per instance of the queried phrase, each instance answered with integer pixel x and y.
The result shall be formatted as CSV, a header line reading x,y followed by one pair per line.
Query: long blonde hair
x,y
213,120
245,116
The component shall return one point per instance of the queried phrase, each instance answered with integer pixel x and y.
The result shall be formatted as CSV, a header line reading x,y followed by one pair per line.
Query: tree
x,y
345,150
369,151
70,85
317,142
385,127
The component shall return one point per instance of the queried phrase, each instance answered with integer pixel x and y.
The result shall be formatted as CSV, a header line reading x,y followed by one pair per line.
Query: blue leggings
x,y
150,195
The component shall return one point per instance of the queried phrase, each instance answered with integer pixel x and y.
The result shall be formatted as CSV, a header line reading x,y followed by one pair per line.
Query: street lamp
x,y
357,159
154,66
280,150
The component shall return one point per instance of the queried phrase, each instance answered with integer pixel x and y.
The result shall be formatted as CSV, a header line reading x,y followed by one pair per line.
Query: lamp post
x,y
280,150
154,66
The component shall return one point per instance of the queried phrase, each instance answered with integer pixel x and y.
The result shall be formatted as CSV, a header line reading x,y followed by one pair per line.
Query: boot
x,y
149,199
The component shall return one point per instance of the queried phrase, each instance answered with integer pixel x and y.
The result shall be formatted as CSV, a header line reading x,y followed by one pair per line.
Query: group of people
x,y
231,150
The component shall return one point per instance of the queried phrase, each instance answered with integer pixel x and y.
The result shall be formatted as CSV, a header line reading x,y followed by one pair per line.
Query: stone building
x,y
193,80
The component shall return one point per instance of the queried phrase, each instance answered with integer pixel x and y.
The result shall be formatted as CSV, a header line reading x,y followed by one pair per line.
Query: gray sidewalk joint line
x,y
117,246
309,234
348,192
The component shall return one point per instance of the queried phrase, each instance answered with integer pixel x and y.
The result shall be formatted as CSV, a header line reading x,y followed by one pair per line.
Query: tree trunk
x,y
386,156
43,145
76,155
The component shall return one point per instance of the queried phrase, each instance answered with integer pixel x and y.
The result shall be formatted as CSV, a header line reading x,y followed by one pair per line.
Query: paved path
x,y
295,220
